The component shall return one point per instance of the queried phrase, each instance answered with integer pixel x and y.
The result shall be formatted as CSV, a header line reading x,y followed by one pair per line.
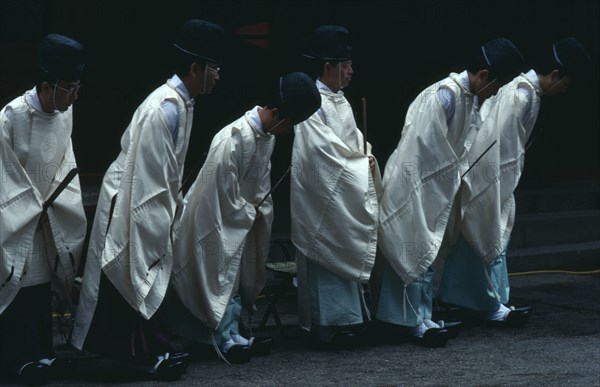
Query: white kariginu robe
x,y
131,237
36,154
218,243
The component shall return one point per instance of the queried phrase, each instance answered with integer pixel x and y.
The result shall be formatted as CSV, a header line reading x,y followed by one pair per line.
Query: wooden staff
x,y
364,122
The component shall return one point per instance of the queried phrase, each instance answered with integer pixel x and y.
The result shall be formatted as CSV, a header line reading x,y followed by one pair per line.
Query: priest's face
x,y
59,95
488,89
556,86
337,76
284,126
346,71
210,78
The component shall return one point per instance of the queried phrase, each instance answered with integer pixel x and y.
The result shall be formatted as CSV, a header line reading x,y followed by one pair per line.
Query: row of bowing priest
x,y
162,265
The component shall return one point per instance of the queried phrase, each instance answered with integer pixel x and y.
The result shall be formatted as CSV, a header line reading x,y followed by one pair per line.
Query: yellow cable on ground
x,y
554,272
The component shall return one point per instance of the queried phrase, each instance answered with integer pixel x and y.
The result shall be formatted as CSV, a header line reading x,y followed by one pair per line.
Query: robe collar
x,y
324,89
255,123
32,99
532,77
462,80
177,84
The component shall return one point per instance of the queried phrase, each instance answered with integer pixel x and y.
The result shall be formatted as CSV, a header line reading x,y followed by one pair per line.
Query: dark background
x,y
399,49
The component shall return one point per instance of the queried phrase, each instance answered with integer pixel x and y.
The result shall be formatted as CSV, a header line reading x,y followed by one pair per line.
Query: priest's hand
x,y
258,214
371,163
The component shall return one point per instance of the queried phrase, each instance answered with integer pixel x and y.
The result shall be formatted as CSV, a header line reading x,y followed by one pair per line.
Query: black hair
x,y
184,62
314,67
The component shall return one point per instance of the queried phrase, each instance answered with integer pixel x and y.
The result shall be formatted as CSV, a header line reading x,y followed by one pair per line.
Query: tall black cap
x,y
60,57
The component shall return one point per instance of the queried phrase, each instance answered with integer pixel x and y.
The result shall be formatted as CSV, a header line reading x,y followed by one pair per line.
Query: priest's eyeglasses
x,y
71,90
214,67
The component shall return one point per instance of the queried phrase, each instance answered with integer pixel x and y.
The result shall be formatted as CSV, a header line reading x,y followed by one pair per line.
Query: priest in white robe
x,y
334,200
222,241
475,273
40,242
130,256
422,179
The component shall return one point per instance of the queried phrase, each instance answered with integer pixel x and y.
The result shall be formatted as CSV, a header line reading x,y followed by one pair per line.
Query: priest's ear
x,y
273,114
196,70
328,67
554,75
482,75
42,85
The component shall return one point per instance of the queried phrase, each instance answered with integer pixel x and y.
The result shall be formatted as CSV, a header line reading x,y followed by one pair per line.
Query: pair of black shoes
x,y
38,373
384,332
517,317
341,341
432,338
170,367
34,374
241,354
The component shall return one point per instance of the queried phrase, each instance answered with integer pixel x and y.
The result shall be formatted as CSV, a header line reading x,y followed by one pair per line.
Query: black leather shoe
x,y
448,312
238,354
261,346
432,338
516,318
341,341
453,328
344,340
33,374
61,368
171,368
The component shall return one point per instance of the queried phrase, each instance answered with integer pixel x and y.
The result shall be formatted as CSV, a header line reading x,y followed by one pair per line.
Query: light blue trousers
x,y
404,305
183,323
468,282
334,301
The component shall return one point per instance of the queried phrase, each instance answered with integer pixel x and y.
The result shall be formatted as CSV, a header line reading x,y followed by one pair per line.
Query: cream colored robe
x,y
422,178
334,195
218,243
36,154
135,250
488,204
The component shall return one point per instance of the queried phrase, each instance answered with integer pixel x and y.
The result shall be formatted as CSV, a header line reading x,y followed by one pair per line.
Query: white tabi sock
x,y
226,346
501,313
431,324
46,361
419,330
241,340
160,359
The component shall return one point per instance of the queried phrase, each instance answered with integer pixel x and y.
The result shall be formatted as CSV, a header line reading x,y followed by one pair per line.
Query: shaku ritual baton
x,y
191,173
61,187
275,186
479,158
364,122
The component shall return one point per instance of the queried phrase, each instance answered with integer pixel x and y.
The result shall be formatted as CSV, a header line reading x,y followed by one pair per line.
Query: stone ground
x,y
560,346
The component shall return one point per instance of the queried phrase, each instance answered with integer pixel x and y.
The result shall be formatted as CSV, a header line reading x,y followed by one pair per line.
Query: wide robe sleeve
x,y
334,207
421,179
212,234
137,254
20,210
488,204
66,227
253,274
